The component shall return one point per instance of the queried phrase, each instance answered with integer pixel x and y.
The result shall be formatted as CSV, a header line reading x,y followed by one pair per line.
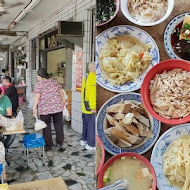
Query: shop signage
x,y
79,70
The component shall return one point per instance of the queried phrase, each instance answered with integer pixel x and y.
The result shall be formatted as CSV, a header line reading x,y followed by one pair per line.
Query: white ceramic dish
x,y
167,34
101,123
159,149
124,9
134,32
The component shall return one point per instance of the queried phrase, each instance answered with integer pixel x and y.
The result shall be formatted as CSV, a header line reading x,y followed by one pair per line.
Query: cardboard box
x,y
69,108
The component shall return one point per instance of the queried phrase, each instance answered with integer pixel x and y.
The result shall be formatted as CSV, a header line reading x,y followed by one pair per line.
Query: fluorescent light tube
x,y
32,5
20,16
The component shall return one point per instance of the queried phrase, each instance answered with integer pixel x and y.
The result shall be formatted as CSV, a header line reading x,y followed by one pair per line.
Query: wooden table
x,y
157,33
3,131
49,184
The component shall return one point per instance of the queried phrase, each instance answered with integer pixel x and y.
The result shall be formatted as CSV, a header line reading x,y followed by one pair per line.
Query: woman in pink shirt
x,y
49,97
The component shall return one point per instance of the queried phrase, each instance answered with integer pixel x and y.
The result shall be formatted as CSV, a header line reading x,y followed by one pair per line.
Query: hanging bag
x,y
66,115
39,124
20,120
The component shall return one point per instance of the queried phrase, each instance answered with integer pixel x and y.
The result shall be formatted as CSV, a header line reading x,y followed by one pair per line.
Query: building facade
x,y
79,10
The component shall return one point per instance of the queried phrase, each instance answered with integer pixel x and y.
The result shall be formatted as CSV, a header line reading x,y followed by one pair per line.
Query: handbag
x,y
86,103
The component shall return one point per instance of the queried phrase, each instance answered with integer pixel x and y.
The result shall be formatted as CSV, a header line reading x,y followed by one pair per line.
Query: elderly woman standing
x,y
49,97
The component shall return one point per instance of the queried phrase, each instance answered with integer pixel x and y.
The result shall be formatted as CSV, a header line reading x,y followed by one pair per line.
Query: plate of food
x,y
131,169
106,11
147,12
177,37
123,125
165,91
124,54
171,158
100,155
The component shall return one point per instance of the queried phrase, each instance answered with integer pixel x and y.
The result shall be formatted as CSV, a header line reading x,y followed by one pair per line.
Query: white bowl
x,y
124,9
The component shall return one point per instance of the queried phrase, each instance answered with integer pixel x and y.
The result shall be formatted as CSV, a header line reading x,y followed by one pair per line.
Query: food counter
x,y
157,33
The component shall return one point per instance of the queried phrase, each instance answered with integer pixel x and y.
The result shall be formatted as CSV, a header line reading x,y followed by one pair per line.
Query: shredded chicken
x,y
170,93
147,11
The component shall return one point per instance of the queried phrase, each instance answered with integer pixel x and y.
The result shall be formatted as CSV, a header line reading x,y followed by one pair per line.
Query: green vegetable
x,y
106,175
186,26
185,35
112,13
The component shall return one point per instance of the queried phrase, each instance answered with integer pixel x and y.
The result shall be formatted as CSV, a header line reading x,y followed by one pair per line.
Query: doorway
x,y
56,65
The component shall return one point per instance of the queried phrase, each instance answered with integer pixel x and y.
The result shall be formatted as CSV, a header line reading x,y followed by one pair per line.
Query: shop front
x,y
56,57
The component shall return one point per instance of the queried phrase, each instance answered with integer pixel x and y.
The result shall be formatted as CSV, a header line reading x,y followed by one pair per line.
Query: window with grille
x,y
34,52
34,62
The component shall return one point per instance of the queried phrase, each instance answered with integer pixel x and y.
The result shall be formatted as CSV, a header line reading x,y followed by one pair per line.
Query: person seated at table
x,y
11,92
6,110
5,105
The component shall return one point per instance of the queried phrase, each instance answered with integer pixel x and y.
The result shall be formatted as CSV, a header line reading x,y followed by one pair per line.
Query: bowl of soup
x,y
100,154
133,167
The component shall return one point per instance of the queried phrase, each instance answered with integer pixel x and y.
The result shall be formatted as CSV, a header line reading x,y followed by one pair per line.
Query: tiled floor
x,y
73,163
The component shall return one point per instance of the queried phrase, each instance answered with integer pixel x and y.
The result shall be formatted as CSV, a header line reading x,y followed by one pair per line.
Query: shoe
x,y
90,147
83,143
58,146
48,148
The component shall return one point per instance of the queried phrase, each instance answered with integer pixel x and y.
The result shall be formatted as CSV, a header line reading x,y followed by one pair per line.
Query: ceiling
x,y
40,12
12,13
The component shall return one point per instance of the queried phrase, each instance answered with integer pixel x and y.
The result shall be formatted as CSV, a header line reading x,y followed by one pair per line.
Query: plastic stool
x,y
33,141
1,173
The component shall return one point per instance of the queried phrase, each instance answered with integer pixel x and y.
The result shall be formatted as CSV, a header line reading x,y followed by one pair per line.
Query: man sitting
x,y
5,105
5,110
11,92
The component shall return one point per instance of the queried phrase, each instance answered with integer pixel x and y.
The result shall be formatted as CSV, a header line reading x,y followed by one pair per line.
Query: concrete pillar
x,y
69,57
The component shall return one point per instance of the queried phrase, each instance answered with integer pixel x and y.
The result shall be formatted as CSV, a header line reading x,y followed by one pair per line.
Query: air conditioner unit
x,y
71,31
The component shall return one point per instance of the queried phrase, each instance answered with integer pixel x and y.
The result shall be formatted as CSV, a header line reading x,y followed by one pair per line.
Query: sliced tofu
x,y
144,131
139,109
131,128
135,121
110,119
148,133
118,116
185,32
115,108
127,107
120,127
115,123
123,144
135,140
119,134
141,118
128,119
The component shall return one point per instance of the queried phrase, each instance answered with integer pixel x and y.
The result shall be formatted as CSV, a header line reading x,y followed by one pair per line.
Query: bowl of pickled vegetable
x,y
106,11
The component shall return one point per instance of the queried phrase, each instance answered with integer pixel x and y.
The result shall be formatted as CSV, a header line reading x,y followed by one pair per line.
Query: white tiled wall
x,y
80,11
